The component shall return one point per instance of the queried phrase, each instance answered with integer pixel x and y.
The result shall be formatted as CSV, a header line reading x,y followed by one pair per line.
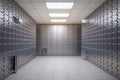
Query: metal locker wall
x,y
16,39
100,37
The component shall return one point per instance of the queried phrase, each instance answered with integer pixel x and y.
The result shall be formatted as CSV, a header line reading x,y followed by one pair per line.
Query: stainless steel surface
x,y
59,39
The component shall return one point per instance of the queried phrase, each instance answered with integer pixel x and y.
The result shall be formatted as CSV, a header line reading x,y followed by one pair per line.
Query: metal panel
x,y
100,37
59,39
16,39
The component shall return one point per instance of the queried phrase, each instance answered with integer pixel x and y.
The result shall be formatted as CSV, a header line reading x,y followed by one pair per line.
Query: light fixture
x,y
84,21
58,20
59,5
17,20
20,20
58,14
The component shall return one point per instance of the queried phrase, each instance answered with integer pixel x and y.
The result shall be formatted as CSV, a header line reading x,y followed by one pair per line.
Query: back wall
x,y
58,40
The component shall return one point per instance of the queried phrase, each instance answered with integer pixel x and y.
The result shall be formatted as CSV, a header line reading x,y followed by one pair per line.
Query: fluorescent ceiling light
x,y
20,20
84,21
59,5
58,20
58,14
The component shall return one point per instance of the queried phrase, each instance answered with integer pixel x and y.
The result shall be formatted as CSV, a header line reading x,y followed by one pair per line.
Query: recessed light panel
x,y
58,14
59,5
58,20
84,21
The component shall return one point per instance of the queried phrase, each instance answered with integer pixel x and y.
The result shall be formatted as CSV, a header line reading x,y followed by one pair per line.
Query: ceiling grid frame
x,y
81,9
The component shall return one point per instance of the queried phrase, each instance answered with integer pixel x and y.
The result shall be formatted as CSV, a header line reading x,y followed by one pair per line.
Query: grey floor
x,y
60,68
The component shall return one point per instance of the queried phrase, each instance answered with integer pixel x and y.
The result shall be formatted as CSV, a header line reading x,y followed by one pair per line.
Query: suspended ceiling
x,y
40,13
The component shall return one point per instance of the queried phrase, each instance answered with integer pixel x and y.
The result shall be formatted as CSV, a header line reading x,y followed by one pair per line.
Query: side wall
x,y
101,37
16,39
59,40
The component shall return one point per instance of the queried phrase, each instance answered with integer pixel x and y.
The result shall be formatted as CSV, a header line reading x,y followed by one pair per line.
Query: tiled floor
x,y
60,68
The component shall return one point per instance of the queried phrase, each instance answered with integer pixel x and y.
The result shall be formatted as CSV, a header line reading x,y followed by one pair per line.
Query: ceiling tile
x,y
39,5
59,11
79,5
93,5
99,1
82,1
60,0
26,5
75,11
38,11
22,0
